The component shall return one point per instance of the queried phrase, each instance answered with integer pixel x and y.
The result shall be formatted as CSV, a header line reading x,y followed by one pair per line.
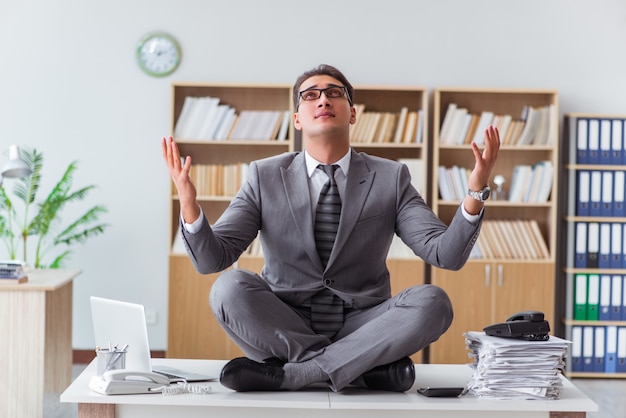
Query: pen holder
x,y
110,360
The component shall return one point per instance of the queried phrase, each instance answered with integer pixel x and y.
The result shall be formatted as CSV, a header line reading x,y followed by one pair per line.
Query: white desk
x,y
319,402
35,340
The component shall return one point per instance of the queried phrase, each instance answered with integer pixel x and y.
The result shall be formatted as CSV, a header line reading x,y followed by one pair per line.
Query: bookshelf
x,y
219,162
513,266
405,108
593,257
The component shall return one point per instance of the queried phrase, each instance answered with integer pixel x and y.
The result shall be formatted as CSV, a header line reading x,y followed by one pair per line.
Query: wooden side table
x,y
35,340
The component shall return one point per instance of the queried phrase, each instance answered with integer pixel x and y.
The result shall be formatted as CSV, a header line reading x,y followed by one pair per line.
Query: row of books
x,y
205,118
510,239
601,141
453,182
405,127
600,245
600,193
599,297
218,179
598,349
529,183
12,271
536,126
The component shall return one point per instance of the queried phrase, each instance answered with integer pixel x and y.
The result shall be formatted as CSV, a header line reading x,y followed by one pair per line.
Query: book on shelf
x,y
183,123
532,184
471,130
359,109
403,127
486,118
536,126
453,182
257,125
284,126
204,118
218,179
455,127
447,122
420,127
204,126
503,123
411,127
399,133
512,239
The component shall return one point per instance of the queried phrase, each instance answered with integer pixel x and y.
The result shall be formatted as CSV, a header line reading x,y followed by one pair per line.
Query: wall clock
x,y
158,54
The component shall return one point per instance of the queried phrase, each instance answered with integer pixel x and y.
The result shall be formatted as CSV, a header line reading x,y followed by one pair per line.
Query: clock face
x,y
158,54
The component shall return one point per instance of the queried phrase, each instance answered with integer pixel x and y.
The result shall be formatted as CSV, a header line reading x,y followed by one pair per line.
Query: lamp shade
x,y
15,167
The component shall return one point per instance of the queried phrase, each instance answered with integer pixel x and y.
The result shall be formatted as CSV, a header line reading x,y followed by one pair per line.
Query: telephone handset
x,y
526,325
121,382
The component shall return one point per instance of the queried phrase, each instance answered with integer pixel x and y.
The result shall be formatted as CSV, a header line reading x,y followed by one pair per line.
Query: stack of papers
x,y
508,368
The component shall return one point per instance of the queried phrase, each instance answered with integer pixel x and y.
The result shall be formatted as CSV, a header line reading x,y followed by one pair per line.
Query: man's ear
x,y
296,121
352,115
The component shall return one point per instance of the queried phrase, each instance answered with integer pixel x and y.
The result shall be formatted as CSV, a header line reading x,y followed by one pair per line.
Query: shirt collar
x,y
312,163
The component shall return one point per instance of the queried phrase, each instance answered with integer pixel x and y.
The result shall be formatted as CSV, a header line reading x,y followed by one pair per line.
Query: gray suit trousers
x,y
264,326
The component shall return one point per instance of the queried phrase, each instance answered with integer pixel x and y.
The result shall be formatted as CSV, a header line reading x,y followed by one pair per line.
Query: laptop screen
x,y
117,323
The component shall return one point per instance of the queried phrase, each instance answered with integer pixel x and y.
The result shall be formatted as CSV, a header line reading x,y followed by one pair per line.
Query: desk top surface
x,y
572,399
43,279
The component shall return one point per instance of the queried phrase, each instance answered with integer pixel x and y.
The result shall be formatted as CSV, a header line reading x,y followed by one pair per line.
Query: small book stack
x,y
12,272
508,368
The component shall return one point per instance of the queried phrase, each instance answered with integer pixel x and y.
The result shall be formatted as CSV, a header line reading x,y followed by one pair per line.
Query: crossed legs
x,y
264,326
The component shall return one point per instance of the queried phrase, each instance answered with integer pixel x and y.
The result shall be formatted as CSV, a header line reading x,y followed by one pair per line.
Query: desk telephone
x,y
527,325
121,382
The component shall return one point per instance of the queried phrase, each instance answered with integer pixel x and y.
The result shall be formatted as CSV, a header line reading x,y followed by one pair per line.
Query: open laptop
x,y
118,323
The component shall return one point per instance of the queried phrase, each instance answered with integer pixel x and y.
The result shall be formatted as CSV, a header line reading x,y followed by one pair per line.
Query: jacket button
x,y
328,282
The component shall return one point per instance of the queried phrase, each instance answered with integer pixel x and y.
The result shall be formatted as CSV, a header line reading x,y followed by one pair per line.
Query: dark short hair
x,y
322,69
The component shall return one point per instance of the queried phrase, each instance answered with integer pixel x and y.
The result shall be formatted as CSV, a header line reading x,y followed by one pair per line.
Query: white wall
x,y
70,87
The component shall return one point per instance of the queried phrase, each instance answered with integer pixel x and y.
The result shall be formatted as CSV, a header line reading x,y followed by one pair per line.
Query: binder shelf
x,y
594,226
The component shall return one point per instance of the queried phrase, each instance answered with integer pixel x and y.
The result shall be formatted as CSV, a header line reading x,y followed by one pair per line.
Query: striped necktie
x,y
326,308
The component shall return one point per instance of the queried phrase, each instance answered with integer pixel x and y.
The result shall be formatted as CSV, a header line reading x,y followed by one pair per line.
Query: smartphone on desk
x,y
442,392
124,382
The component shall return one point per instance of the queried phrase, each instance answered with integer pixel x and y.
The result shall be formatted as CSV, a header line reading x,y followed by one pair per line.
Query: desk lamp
x,y
16,167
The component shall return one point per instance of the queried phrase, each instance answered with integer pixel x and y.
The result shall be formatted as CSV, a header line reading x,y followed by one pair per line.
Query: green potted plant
x,y
42,220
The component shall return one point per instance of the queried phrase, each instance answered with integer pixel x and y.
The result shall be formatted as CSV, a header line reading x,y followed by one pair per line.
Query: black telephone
x,y
527,325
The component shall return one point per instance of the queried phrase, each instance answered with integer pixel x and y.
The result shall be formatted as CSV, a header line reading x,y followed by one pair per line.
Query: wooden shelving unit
x,y
490,289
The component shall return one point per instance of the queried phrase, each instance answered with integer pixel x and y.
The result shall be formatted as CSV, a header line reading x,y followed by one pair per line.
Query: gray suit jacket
x,y
378,202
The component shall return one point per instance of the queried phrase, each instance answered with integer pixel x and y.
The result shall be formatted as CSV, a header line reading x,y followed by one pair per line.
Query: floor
x,y
607,393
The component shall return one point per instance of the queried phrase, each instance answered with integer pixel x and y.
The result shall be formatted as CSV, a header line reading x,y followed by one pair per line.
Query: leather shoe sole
x,y
398,376
245,375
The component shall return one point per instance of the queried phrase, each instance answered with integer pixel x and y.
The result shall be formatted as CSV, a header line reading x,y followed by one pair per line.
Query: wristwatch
x,y
481,195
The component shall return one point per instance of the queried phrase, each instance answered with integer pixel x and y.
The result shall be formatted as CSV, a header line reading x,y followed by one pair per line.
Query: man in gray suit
x,y
270,315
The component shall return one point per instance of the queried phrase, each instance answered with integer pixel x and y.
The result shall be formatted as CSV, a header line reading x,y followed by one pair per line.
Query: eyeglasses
x,y
332,92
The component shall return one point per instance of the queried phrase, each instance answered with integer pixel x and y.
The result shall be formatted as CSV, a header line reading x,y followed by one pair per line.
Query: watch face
x,y
158,54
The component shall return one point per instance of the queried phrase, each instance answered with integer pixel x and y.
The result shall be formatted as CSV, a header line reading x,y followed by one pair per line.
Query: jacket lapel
x,y
358,185
296,186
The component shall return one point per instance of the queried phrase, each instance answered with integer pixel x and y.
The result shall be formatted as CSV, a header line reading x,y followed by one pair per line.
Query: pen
x,y
117,356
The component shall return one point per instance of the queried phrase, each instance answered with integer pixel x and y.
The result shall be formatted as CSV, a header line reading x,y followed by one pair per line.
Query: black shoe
x,y
245,375
398,376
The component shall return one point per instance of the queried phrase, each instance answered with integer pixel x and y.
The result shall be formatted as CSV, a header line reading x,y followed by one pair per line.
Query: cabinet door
x,y
524,286
471,292
193,331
